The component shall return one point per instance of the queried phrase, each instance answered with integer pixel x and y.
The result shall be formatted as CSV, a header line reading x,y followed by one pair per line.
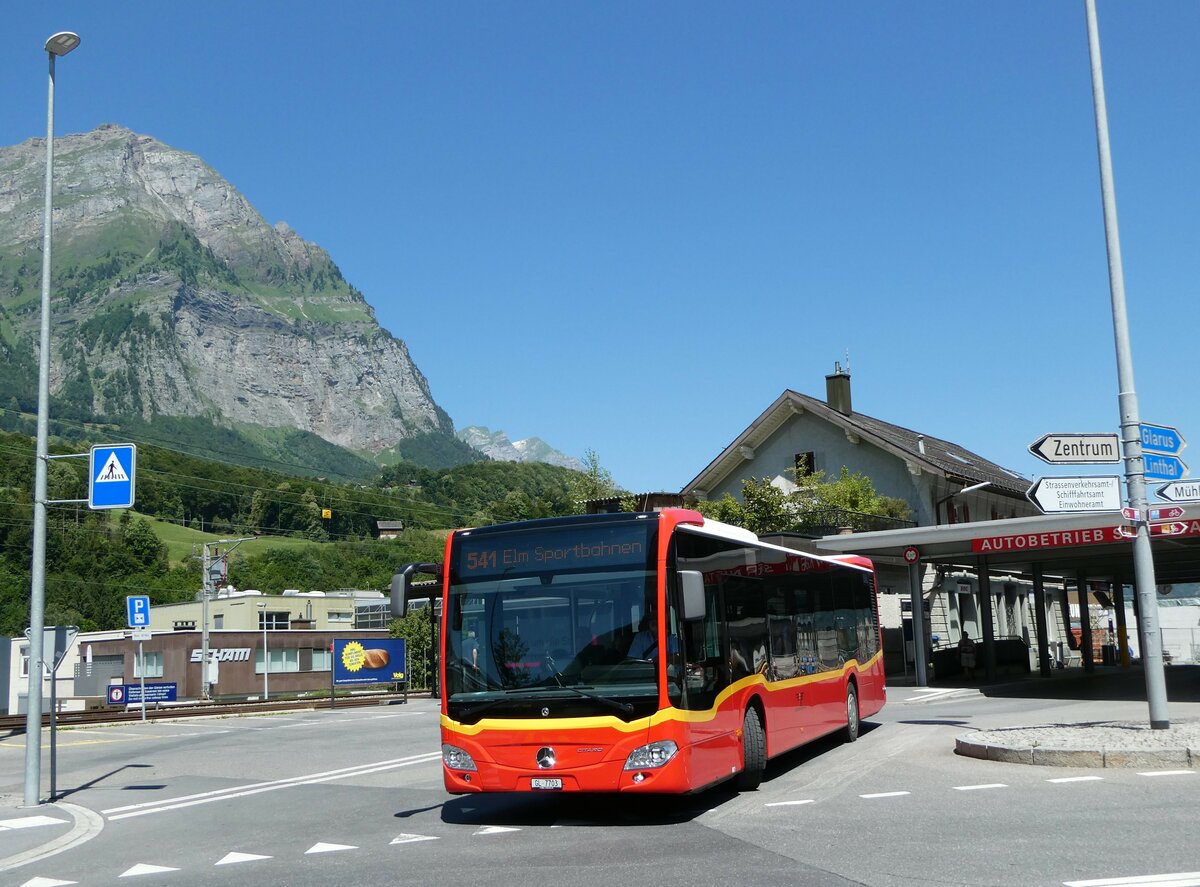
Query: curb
x,y
1181,757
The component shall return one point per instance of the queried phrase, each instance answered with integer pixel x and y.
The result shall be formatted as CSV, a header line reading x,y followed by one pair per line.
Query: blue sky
x,y
628,227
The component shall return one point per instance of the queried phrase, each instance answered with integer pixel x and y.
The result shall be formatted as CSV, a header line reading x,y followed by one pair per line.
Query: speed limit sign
x,y
911,555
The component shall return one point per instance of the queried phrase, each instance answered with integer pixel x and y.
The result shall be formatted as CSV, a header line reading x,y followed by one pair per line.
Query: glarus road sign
x,y
110,476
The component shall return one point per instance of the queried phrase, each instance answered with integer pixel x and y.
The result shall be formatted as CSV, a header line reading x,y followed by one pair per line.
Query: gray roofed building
x,y
933,475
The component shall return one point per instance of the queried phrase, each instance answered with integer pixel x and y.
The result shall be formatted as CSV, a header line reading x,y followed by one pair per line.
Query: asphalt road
x,y
356,798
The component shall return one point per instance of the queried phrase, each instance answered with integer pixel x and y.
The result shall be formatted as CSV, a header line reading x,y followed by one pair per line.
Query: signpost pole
x,y
142,672
53,734
1143,559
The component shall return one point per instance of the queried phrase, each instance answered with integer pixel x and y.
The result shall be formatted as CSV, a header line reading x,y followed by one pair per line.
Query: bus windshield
x,y
546,616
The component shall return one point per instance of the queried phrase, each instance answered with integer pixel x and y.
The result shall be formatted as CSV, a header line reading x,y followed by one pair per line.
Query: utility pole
x,y
206,593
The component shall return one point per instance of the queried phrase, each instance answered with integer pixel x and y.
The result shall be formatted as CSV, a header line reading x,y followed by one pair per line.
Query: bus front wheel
x,y
852,721
754,752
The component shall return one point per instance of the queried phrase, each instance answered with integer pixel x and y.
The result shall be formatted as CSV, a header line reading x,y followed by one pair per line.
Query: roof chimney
x,y
837,389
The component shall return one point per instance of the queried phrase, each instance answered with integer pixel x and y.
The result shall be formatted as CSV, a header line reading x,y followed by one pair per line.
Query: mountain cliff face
x,y
172,296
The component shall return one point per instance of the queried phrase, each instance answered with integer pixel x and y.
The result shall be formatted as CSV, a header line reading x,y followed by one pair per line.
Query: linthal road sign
x,y
1159,467
1054,495
1077,449
1180,491
111,476
1161,439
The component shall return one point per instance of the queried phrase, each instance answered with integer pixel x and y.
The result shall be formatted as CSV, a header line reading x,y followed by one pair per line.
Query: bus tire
x,y
754,752
853,724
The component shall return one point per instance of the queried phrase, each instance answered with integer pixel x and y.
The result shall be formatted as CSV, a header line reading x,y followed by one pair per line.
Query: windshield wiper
x,y
612,703
623,707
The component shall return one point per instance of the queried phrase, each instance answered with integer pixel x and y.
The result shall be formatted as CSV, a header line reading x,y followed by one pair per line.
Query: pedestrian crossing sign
x,y
111,476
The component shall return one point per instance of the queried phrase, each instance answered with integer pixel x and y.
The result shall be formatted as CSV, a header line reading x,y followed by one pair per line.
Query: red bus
x,y
658,652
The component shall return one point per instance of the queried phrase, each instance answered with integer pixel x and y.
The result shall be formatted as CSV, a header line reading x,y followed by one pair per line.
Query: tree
x,y
767,508
594,482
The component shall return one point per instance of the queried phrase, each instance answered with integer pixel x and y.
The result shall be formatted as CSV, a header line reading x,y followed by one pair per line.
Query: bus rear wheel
x,y
850,733
754,752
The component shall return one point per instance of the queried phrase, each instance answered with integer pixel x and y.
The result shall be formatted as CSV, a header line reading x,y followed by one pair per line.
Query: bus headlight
x,y
456,759
648,757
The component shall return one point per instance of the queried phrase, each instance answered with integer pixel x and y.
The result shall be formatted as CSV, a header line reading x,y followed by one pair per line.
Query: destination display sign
x,y
570,549
1054,495
1077,449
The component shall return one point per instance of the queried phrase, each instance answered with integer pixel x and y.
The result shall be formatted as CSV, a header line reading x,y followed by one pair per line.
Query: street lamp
x,y
266,661
937,506
58,44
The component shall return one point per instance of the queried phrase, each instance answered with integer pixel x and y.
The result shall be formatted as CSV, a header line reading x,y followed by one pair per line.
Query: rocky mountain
x,y
173,297
496,445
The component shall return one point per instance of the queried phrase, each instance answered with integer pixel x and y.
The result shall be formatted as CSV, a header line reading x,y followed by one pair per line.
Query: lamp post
x,y
58,44
937,506
266,661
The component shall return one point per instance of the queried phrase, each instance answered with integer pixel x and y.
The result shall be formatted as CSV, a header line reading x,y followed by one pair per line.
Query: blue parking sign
x,y
137,608
110,479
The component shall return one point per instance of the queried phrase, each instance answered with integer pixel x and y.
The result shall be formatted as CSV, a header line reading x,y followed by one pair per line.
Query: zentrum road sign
x,y
1077,449
1054,495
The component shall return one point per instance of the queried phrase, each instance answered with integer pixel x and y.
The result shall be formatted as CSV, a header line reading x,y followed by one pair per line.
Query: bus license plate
x,y
546,784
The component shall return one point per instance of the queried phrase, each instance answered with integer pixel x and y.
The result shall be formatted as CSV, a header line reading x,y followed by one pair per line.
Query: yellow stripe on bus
x,y
667,715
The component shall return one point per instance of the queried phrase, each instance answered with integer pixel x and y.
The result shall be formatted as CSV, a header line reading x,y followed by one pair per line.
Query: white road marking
x,y
1178,879
46,882
1062,779
233,858
495,830
31,822
971,788
885,795
328,848
226,794
1168,773
143,868
412,839
789,803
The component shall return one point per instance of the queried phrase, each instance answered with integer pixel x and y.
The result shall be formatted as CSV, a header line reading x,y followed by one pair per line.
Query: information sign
x,y
137,609
1160,467
1054,495
1077,449
1161,439
111,476
131,694
1180,491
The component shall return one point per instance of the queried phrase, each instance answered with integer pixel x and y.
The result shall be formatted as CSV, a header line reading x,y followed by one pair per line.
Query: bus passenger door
x,y
706,675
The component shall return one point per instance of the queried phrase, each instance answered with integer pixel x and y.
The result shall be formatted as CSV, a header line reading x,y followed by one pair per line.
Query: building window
x,y
280,660
153,665
805,464
219,620
276,620
341,616
24,660
322,660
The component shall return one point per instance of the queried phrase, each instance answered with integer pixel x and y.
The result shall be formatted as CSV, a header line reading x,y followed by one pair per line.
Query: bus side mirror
x,y
402,586
691,595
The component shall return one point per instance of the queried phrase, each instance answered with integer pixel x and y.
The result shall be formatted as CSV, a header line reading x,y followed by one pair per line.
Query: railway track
x,y
15,724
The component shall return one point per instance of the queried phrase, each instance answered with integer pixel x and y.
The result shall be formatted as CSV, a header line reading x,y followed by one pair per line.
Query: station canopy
x,y
1063,544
